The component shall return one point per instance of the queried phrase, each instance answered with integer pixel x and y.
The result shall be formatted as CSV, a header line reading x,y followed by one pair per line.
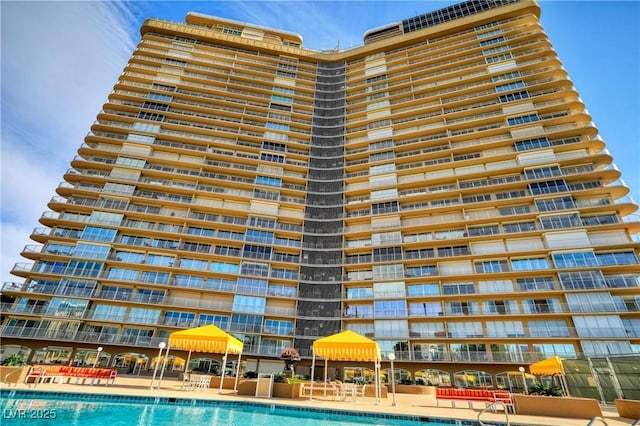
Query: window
x,y
548,187
490,266
83,268
360,293
458,288
432,309
388,272
387,207
542,172
193,264
226,268
535,284
219,321
560,221
575,260
519,227
251,285
551,204
226,251
123,274
274,158
491,40
494,50
483,230
196,230
499,58
387,155
257,236
510,86
619,258
529,264
246,323
109,313
91,250
160,97
505,329
279,98
155,105
93,233
276,126
423,290
387,254
270,181
255,269
274,146
150,116
529,118
249,304
285,90
550,328
155,277
156,259
390,308
422,271
453,251
182,319
133,240
599,326
506,76
282,328
516,96
529,144
189,281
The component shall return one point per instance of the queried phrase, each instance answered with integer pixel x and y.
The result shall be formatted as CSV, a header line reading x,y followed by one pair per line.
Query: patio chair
x,y
204,383
337,391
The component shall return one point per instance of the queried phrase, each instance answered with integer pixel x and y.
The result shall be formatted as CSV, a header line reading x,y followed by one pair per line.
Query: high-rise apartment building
x,y
440,188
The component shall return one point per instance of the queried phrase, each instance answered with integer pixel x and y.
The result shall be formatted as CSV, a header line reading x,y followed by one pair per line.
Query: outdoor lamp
x,y
392,357
161,346
97,356
524,379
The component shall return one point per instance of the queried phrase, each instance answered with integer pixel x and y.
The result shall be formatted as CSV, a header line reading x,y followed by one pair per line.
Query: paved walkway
x,y
423,405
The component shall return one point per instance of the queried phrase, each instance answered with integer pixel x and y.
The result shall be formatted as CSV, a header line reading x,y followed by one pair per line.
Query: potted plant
x,y
15,360
290,356
545,390
14,368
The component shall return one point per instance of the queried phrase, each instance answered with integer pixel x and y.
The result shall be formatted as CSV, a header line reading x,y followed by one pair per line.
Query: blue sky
x,y
60,59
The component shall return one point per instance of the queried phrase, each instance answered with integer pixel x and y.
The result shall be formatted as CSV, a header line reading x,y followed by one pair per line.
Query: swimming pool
x,y
77,409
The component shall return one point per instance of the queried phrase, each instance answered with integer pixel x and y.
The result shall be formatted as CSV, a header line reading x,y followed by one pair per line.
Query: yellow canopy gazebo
x,y
209,339
347,346
550,367
547,367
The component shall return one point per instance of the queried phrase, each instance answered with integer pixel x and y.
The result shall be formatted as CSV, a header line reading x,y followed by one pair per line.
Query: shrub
x,y
546,390
280,378
15,360
250,375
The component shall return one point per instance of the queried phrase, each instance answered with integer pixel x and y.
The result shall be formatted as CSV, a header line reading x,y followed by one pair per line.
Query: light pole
x,y
392,357
161,346
524,380
97,356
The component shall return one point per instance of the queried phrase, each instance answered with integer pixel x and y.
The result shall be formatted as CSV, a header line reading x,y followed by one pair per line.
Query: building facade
x,y
440,188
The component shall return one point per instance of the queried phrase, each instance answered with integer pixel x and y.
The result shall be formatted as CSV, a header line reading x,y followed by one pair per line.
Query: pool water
x,y
79,410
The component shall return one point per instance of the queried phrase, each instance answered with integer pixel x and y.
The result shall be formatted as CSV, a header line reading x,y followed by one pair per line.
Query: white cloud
x,y
49,75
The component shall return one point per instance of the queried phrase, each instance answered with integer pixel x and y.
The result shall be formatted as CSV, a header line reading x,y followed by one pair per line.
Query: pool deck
x,y
421,405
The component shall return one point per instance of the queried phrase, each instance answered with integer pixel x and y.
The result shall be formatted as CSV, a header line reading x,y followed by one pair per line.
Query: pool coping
x,y
197,402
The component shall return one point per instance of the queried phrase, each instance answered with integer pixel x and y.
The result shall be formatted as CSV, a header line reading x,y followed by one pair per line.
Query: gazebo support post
x,y
326,361
186,366
164,366
235,386
224,368
313,368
